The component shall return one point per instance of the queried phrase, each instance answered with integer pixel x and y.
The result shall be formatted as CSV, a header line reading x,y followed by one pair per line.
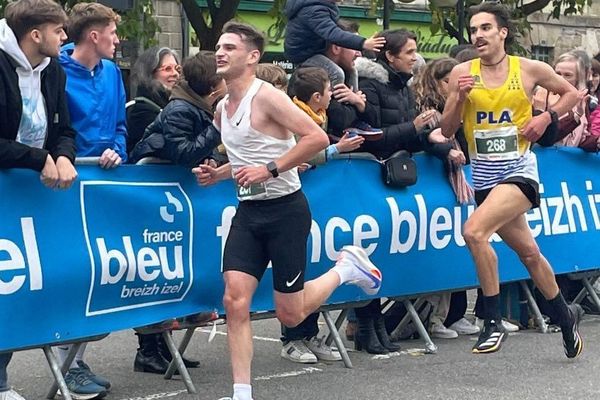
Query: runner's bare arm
x,y
280,109
545,77
459,85
539,73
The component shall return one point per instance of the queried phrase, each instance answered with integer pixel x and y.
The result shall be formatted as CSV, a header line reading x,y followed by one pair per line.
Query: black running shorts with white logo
x,y
273,230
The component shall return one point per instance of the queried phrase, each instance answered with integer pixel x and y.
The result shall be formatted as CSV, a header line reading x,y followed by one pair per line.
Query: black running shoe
x,y
572,340
491,337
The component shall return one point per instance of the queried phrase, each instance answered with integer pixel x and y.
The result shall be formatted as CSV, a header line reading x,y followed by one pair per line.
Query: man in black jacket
x,y
35,129
35,126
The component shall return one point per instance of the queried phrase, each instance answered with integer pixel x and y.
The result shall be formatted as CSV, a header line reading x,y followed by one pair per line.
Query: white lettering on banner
x,y
147,265
149,260
416,230
16,261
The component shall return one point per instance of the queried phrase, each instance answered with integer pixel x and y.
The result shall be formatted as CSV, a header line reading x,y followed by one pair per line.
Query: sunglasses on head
x,y
170,68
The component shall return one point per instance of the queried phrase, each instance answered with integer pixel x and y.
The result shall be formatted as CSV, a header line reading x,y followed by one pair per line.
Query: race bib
x,y
497,144
250,191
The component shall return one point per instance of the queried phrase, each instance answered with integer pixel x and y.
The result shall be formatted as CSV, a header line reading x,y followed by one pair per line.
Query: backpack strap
x,y
146,100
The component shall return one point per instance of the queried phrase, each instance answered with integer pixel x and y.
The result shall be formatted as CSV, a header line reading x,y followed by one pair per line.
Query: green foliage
x,y
447,18
137,24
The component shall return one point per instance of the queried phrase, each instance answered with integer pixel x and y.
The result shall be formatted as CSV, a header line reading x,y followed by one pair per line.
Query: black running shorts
x,y
529,187
273,230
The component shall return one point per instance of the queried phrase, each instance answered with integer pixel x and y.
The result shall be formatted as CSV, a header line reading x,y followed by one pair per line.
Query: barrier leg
x,y
333,330
185,375
58,373
430,347
338,323
405,320
591,292
64,368
534,308
182,347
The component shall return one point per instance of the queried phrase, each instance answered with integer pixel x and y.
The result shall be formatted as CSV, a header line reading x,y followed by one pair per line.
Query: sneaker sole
x,y
81,396
578,338
297,360
492,349
372,272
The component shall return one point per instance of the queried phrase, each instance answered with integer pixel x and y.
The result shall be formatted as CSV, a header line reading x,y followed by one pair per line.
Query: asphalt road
x,y
531,365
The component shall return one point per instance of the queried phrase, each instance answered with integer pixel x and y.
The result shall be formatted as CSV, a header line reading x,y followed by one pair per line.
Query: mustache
x,y
478,42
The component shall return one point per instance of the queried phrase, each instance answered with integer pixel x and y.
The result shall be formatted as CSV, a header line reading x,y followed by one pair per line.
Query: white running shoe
x,y
362,271
508,326
320,349
10,395
464,327
296,351
439,331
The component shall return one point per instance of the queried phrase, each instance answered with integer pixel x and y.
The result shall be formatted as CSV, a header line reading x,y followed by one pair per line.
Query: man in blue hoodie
x,y
95,88
96,98
35,131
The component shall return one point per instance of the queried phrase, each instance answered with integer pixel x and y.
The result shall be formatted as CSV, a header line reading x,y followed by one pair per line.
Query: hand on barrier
x,y
206,174
109,159
66,172
348,143
49,175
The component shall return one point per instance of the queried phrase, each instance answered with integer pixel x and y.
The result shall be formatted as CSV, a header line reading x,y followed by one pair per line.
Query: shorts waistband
x,y
270,202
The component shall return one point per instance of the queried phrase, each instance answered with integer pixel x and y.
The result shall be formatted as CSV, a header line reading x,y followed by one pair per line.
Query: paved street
x,y
531,365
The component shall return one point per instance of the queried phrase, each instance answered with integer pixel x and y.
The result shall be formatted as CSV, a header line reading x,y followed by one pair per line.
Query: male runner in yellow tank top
x,y
492,95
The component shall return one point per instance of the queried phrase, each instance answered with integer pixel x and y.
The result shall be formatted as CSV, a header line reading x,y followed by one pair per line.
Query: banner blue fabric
x,y
139,244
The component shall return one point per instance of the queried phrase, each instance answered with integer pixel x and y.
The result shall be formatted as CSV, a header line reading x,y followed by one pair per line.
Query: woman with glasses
x,y
153,75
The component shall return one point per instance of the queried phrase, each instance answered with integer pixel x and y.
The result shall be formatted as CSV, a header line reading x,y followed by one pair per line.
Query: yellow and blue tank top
x,y
492,121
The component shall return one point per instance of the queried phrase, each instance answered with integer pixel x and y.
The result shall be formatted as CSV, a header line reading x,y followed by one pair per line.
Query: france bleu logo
x,y
139,238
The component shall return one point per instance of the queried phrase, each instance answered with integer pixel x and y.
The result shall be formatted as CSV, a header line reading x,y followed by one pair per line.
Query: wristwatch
x,y
553,116
272,168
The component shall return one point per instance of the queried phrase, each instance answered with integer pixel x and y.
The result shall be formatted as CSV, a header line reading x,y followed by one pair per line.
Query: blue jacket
x,y
311,25
96,102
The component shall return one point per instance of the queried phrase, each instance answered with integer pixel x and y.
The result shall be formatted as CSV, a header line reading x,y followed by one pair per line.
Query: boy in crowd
x,y
312,25
35,129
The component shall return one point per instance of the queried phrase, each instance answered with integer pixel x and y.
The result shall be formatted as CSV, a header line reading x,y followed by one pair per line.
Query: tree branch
x,y
530,8
194,14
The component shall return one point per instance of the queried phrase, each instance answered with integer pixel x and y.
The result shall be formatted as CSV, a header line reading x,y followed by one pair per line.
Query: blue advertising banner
x,y
139,244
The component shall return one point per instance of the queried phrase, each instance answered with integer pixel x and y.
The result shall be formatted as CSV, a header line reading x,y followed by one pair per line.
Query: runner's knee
x,y
289,317
531,255
473,235
236,302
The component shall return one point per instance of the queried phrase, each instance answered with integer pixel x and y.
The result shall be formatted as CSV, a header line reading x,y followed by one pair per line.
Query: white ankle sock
x,y
343,271
242,391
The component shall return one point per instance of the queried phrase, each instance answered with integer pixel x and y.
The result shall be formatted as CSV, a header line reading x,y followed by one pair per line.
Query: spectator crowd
x,y
60,101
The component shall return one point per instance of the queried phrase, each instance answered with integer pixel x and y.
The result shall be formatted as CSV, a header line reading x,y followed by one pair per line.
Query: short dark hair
x,y
348,25
23,16
502,15
250,35
308,80
84,16
395,40
200,72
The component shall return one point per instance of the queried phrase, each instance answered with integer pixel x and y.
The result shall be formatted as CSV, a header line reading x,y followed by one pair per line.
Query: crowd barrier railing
x,y
136,245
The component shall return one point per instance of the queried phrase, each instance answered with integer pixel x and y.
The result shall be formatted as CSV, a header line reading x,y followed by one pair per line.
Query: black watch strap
x,y
272,168
553,116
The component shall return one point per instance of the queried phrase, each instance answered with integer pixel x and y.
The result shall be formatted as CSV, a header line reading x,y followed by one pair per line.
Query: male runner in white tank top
x,y
273,220
492,95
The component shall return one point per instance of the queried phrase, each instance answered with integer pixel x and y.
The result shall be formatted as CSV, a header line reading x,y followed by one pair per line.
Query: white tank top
x,y
248,147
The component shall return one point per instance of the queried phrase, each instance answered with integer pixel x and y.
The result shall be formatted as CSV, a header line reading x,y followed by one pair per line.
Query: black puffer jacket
x,y
142,113
183,132
391,106
311,24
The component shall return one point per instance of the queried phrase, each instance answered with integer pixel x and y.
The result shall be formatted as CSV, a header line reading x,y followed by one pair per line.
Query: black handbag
x,y
399,170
